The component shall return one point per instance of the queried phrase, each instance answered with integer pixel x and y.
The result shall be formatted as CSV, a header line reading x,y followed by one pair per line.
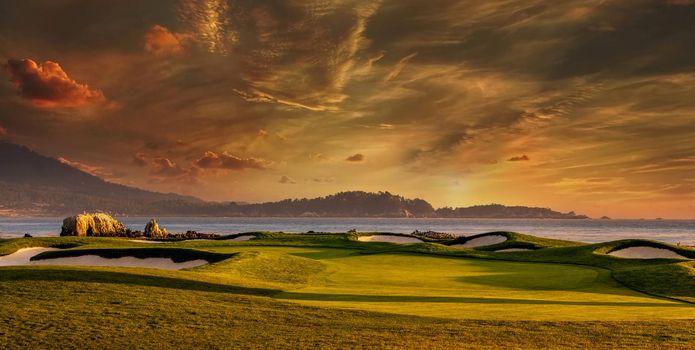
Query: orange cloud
x,y
167,168
224,160
161,41
284,179
140,159
358,157
522,158
3,131
48,86
89,169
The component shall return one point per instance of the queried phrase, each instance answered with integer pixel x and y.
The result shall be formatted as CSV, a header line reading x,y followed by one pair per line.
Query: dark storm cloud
x,y
69,25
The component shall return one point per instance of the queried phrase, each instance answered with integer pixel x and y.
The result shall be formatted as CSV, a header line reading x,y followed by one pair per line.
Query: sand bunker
x,y
145,241
646,253
389,239
23,256
509,250
244,238
482,241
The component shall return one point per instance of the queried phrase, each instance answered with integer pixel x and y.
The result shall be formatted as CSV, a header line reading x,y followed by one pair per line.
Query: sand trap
x,y
508,250
145,241
23,256
646,253
482,241
244,238
389,239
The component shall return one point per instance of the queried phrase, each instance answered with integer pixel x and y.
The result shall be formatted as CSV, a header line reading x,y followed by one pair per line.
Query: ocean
x,y
590,231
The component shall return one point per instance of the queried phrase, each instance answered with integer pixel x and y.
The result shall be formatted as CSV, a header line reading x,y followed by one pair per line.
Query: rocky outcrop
x,y
152,230
92,224
434,235
193,235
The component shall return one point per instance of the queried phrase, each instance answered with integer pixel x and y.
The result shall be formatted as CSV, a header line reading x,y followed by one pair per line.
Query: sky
x,y
574,105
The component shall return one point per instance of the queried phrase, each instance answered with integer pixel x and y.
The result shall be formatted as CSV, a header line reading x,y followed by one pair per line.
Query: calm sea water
x,y
672,231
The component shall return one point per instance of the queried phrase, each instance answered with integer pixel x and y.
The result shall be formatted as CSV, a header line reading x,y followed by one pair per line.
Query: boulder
x,y
92,224
152,230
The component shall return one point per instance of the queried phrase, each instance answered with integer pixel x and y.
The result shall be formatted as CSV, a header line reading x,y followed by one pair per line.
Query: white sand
x,y
22,256
482,241
244,238
513,250
646,253
389,239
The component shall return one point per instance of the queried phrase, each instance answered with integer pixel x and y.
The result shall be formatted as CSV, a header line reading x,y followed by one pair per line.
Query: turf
x,y
331,291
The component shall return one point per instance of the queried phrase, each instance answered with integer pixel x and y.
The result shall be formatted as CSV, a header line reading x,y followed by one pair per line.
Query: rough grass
x,y
78,314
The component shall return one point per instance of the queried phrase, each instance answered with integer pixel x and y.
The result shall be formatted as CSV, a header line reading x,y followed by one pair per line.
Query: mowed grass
x,y
426,285
325,291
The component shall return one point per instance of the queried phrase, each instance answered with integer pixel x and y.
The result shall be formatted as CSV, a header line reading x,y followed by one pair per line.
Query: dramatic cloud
x,y
141,160
358,157
160,41
443,96
298,54
165,167
46,85
224,160
89,169
286,180
520,158
399,67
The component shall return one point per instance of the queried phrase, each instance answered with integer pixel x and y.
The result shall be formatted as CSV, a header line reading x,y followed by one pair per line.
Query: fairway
x,y
454,287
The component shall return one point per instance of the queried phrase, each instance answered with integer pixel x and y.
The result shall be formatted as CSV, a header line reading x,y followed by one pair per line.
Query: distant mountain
x,y
505,212
385,204
33,184
343,204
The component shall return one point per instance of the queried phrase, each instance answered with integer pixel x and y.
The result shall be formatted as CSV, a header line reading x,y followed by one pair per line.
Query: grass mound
x,y
266,268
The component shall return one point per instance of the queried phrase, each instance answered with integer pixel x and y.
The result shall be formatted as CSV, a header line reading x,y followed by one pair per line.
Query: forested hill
x,y
33,184
385,204
343,204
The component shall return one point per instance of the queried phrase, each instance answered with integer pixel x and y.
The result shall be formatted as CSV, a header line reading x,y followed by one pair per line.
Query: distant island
x,y
35,185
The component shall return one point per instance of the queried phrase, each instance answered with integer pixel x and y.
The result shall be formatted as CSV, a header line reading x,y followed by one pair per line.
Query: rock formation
x,y
152,230
92,224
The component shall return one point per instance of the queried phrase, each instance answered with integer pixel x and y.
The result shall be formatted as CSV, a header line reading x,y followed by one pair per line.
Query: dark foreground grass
x,y
77,314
